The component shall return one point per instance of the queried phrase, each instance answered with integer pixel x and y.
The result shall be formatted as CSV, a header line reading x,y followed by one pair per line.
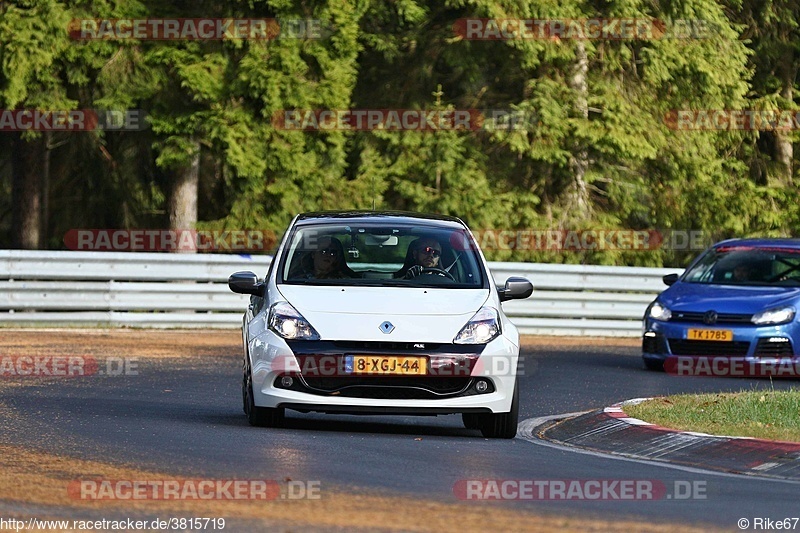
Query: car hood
x,y
701,297
355,313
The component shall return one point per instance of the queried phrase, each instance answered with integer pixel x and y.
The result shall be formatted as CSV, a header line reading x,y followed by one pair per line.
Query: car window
x,y
373,255
746,265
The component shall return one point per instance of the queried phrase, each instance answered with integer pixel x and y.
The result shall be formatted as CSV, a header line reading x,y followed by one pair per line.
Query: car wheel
x,y
258,416
654,364
471,420
502,425
245,384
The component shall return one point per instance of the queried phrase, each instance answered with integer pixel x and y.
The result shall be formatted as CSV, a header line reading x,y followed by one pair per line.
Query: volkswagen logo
x,y
387,327
710,317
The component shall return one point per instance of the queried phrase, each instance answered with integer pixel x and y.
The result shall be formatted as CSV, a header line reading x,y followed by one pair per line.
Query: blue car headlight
x,y
659,312
776,315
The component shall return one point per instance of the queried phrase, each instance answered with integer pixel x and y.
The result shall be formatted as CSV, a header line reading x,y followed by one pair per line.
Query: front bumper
x,y
662,340
451,385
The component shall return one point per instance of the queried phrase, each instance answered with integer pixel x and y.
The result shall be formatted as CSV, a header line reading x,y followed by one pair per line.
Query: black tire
x,y
258,416
471,420
502,425
245,384
653,364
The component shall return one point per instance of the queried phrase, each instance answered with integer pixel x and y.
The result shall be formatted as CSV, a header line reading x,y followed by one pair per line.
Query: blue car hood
x,y
702,297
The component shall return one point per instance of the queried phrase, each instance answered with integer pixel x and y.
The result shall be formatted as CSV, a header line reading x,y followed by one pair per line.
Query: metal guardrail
x,y
47,288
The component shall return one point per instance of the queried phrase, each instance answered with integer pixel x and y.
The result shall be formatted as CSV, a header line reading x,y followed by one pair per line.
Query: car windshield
x,y
381,255
747,265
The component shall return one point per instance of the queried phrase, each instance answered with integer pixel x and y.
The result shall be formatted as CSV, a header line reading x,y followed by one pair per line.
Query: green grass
x,y
768,414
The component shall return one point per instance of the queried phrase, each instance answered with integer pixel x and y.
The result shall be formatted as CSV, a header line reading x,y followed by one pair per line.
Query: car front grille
x,y
323,370
722,318
388,388
383,345
687,347
336,348
772,347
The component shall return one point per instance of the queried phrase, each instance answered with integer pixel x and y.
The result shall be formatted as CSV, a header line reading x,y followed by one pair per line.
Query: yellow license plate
x,y
387,364
722,335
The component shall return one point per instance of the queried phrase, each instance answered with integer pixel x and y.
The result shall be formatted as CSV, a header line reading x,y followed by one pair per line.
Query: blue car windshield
x,y
747,265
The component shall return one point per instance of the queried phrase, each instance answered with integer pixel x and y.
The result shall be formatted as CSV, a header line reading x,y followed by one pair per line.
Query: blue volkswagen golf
x,y
737,301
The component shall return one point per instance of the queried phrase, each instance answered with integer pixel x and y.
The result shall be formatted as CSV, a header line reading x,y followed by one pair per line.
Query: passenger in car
x,y
325,262
742,272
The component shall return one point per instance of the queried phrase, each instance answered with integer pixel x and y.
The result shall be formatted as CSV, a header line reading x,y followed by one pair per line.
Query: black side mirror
x,y
515,289
670,279
245,283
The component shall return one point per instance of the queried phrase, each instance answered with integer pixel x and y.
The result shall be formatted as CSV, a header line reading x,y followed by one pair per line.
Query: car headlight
x,y
284,320
481,328
659,312
778,315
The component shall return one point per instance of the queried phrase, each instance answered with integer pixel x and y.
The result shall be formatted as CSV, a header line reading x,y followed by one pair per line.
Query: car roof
x,y
390,217
792,244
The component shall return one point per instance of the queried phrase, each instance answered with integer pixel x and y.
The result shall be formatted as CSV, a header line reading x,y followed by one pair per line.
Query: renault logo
x,y
387,327
710,317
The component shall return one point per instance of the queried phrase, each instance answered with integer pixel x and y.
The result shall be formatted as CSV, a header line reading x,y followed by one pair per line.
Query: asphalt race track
x,y
182,415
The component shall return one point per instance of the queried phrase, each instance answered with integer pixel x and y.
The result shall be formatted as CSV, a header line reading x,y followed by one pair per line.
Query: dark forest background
x,y
600,154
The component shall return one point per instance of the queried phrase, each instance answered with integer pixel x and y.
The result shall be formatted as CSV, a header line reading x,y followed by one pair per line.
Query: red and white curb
x,y
612,433
617,412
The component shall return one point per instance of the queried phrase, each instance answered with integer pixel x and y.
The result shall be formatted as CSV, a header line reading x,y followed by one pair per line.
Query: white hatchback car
x,y
380,313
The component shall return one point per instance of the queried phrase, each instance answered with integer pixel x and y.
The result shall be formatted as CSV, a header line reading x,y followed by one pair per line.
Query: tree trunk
x,y
579,162
45,185
30,165
183,196
784,151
